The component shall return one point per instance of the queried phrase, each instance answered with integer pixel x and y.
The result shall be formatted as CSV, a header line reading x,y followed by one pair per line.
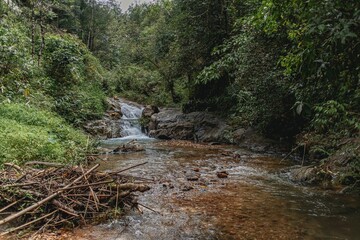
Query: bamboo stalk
x,y
18,184
10,205
28,209
96,200
89,185
123,170
27,224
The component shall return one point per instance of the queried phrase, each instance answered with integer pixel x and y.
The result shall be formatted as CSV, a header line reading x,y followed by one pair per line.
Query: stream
x,y
189,201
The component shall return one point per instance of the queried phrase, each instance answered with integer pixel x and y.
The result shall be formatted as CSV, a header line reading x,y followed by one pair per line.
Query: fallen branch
x,y
56,196
13,166
49,164
27,224
10,205
38,204
123,170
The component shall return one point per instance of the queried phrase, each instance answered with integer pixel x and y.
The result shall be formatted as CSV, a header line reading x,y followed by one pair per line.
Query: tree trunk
x,y
33,32
42,33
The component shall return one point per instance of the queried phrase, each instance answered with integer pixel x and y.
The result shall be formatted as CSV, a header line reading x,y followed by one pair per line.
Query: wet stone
x,y
222,174
187,188
192,177
168,185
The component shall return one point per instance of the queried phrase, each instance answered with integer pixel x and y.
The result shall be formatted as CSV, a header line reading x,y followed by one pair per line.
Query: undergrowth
x,y
30,134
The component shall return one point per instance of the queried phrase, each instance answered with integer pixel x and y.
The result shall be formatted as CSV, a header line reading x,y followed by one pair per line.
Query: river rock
x,y
187,188
251,139
197,126
150,110
110,125
192,176
114,106
105,128
307,174
222,174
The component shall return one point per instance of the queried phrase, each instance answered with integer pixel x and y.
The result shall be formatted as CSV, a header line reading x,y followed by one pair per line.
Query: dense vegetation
x,y
288,68
45,75
28,133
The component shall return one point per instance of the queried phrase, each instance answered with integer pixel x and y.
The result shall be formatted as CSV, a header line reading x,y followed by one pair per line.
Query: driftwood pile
x,y
59,196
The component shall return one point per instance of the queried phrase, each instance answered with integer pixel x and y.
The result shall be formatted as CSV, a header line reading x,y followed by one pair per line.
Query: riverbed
x,y
257,200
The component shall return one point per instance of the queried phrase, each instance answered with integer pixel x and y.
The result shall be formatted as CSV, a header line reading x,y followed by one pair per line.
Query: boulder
x,y
149,110
110,125
114,106
113,114
250,139
307,174
105,128
197,126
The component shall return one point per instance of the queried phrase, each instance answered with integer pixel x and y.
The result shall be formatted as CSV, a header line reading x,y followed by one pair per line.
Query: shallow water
x,y
256,201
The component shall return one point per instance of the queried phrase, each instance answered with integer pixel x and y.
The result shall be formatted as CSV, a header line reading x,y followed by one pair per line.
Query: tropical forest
x,y
179,119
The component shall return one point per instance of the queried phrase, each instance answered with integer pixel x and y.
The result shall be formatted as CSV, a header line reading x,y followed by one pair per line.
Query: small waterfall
x,y
130,126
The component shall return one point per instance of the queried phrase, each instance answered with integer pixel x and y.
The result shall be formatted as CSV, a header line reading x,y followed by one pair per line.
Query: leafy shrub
x,y
332,117
64,60
16,67
140,84
76,79
29,134
82,103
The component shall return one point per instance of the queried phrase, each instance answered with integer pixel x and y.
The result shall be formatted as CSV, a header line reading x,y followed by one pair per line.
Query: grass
x,y
30,134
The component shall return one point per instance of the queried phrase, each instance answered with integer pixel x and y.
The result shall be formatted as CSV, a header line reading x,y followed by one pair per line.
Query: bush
x,y
333,117
76,82
16,64
30,134
83,103
140,84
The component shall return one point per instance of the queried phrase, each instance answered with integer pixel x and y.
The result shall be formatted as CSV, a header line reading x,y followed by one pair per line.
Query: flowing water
x,y
130,127
189,201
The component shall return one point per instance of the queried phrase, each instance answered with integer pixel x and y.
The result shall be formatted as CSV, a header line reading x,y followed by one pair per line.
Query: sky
x,y
126,3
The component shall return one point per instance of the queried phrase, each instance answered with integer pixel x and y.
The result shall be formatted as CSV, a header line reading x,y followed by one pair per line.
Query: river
x,y
189,201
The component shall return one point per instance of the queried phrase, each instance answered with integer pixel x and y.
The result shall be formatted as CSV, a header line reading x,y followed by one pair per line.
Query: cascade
x,y
130,126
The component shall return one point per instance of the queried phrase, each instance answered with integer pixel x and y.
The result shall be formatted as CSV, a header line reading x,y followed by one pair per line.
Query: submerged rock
x,y
192,176
222,174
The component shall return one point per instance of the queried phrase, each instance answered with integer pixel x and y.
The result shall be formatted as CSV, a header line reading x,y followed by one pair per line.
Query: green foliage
x,y
141,84
65,77
30,134
16,66
323,57
281,66
76,79
332,116
64,56
81,103
289,62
